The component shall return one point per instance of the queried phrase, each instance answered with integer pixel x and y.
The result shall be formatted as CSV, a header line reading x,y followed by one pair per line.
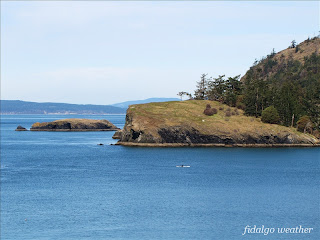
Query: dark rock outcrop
x,y
117,135
20,128
191,136
75,125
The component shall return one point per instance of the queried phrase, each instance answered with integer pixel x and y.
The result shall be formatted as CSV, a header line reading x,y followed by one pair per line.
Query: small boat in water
x,y
182,166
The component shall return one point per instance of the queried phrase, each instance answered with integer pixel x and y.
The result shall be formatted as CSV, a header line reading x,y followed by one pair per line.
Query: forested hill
x,y
288,80
281,88
23,107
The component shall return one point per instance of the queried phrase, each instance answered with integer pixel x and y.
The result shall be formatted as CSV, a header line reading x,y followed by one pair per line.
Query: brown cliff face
x,y
184,123
74,124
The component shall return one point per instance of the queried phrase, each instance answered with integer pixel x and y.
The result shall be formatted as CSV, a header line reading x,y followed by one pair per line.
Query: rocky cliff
x,y
74,124
184,123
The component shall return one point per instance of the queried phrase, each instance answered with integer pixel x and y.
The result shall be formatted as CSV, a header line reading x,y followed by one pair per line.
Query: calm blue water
x,y
62,185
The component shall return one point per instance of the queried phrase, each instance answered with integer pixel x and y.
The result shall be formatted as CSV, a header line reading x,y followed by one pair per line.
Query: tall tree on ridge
x,y
201,91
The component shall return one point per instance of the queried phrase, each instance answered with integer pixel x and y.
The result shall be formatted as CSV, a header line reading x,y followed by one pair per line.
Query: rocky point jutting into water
x,y
74,124
184,123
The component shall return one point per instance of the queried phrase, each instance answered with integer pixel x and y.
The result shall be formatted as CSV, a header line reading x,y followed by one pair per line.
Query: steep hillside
x,y
289,80
301,51
281,61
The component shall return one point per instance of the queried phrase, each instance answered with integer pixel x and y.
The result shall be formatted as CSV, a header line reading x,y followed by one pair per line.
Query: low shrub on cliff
x,y
270,115
209,111
241,106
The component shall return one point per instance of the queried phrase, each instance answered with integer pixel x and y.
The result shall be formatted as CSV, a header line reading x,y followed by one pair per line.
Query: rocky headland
x,y
74,124
184,123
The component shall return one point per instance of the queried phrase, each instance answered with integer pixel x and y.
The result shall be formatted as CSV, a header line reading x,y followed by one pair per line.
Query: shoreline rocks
x,y
175,145
117,135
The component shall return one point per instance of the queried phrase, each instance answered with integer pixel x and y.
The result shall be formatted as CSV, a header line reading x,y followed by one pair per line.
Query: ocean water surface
x,y
62,185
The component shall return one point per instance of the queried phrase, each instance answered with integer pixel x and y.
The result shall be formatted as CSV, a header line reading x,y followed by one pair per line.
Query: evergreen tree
x,y
216,89
201,91
286,102
233,89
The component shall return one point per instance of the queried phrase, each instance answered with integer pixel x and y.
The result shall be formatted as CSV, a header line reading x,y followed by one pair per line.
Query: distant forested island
x,y
23,107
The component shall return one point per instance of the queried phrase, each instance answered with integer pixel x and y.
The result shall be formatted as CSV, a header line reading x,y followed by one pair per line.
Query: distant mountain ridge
x,y
24,107
149,100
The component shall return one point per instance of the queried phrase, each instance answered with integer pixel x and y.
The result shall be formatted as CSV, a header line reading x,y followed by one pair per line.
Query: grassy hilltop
x,y
190,113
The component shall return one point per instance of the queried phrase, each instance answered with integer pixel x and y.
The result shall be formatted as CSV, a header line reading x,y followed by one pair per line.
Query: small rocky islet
x,y
20,128
74,124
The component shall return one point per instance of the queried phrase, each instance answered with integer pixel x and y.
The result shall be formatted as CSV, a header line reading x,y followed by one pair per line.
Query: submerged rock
x,y
74,124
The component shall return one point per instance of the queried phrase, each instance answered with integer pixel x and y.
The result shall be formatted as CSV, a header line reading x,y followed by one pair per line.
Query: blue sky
x,y
105,52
